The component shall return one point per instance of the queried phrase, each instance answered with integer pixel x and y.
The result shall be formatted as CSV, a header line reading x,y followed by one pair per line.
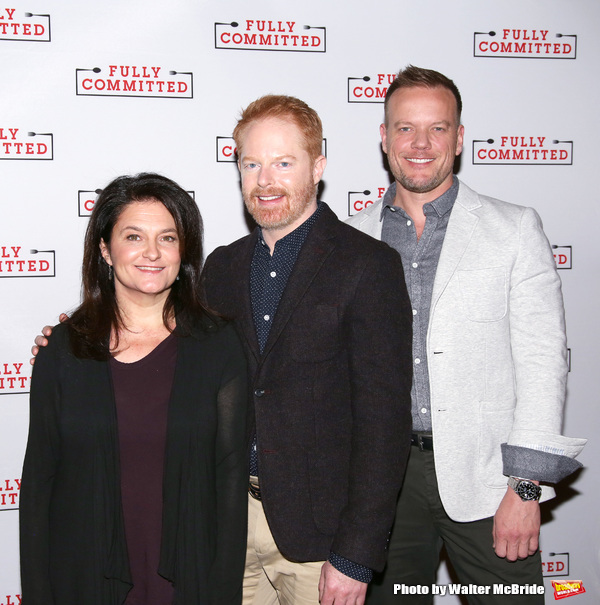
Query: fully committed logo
x,y
261,34
9,493
19,144
18,262
555,563
512,43
227,151
25,27
13,380
530,150
563,256
86,200
134,81
359,200
369,89
12,600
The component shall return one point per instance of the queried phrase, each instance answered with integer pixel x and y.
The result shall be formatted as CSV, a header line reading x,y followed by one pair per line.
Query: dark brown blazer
x,y
330,395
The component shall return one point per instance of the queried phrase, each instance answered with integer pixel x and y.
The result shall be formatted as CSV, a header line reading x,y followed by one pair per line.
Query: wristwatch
x,y
525,489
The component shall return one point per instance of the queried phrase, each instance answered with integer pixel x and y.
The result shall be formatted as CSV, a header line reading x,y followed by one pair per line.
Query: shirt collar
x,y
296,238
440,205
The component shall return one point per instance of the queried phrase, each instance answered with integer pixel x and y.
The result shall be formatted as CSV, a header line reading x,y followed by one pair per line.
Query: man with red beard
x,y
324,314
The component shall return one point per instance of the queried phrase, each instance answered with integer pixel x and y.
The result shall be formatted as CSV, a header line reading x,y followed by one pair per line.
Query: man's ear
x,y
383,133
459,139
319,168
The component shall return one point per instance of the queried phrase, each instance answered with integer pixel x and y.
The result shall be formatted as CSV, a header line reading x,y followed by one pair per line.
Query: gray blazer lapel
x,y
460,229
369,220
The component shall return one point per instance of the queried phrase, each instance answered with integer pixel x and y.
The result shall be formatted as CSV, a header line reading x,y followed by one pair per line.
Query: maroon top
x,y
142,391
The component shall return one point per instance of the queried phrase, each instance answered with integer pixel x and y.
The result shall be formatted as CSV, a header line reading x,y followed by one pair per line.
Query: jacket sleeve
x,y
210,281
379,336
39,469
536,449
231,478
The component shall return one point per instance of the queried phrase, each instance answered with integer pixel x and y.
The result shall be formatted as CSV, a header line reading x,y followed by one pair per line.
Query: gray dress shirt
x,y
420,260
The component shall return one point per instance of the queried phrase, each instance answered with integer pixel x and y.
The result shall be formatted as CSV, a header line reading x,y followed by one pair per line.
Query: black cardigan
x,y
73,548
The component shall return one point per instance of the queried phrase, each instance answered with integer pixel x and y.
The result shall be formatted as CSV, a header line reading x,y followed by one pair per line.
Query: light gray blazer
x,y
496,349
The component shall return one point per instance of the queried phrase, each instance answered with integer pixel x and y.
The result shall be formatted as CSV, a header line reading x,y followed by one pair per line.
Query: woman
x,y
134,482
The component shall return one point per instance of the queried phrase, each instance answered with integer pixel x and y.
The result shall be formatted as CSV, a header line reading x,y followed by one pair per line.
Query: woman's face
x,y
143,252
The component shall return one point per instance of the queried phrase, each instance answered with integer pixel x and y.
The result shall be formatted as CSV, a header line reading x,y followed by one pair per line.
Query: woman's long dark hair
x,y
90,325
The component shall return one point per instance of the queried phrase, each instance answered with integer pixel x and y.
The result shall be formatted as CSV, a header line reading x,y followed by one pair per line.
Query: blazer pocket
x,y
314,333
484,293
495,423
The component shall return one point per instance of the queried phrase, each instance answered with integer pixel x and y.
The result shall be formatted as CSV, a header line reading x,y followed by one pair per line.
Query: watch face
x,y
528,490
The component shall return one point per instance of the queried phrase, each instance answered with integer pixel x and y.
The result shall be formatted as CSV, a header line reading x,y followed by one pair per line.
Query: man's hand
x,y
335,588
516,527
41,340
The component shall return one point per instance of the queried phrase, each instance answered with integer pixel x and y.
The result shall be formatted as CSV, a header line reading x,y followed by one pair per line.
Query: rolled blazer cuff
x,y
547,442
546,459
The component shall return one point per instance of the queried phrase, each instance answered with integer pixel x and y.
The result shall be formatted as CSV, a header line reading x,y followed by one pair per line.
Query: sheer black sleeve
x,y
39,469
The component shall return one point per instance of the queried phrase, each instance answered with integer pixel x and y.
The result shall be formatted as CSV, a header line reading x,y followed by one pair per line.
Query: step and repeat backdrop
x,y
92,90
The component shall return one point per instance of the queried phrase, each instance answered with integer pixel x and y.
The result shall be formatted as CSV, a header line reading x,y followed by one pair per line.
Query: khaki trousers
x,y
270,578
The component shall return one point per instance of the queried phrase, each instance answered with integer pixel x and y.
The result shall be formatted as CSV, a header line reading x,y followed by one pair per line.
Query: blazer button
x,y
259,392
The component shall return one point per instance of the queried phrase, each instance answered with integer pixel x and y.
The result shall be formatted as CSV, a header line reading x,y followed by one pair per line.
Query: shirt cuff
x,y
536,465
351,569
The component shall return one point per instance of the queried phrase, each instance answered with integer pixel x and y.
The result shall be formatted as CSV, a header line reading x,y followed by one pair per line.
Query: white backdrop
x,y
91,90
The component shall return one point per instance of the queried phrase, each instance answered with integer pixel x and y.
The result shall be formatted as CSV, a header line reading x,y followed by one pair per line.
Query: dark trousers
x,y
422,527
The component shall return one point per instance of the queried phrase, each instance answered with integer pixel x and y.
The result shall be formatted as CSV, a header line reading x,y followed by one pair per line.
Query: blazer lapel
x,y
371,222
241,269
460,229
319,244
